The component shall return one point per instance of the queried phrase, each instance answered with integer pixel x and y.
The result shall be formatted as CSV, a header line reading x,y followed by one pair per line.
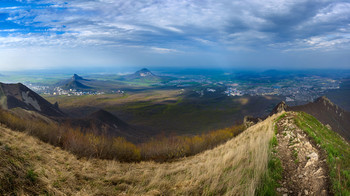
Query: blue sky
x,y
285,34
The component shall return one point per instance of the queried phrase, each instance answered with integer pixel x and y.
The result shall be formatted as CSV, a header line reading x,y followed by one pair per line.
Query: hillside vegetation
x,y
259,161
337,150
233,168
90,144
307,158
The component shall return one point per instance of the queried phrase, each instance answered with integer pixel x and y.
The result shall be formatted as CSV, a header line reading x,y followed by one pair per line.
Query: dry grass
x,y
233,168
90,144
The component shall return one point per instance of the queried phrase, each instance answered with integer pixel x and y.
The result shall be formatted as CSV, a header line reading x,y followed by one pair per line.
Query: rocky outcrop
x,y
303,162
329,114
325,111
20,96
282,106
250,121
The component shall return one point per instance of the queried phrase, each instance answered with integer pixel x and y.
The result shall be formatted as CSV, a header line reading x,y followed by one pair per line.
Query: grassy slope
x,y
337,149
16,173
273,174
235,167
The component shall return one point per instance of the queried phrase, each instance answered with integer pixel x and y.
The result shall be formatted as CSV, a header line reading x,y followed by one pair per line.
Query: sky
x,y
284,34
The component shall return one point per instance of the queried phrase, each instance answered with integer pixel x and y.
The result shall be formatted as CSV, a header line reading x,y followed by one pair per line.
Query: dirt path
x,y
304,163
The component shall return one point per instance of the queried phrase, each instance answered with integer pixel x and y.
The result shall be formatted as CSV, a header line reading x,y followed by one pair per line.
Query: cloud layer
x,y
121,30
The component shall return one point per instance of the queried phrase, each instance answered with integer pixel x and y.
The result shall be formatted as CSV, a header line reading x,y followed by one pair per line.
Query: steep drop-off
x,y
18,95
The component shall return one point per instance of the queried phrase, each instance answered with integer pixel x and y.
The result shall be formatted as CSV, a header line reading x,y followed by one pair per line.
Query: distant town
x,y
297,89
302,89
57,91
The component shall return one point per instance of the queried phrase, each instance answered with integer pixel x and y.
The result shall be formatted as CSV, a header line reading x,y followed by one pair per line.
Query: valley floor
x,y
29,166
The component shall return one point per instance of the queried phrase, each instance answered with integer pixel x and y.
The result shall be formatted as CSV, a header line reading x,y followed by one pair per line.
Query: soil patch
x,y
305,170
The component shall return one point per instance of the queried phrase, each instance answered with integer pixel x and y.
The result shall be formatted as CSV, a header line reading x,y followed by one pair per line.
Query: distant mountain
x,y
102,122
75,82
326,112
18,95
143,74
76,77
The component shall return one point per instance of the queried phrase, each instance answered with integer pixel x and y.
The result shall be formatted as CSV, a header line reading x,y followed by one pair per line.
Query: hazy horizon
x,y
271,34
181,71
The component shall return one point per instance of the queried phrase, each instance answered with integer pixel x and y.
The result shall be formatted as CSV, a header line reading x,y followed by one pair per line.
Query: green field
x,y
42,79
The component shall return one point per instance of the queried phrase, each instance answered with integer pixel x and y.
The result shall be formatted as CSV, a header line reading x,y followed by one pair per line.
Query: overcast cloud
x,y
250,33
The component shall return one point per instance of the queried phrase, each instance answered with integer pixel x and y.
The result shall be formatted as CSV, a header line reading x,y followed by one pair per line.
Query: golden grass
x,y
90,145
233,168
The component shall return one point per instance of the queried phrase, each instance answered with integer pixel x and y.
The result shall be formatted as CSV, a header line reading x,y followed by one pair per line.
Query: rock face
x,y
329,114
18,95
325,111
325,101
282,106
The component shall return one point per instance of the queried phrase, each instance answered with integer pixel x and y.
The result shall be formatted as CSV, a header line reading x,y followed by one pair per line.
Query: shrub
x,y
165,148
32,176
88,144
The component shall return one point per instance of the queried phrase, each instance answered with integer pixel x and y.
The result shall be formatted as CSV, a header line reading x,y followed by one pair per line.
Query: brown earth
x,y
304,164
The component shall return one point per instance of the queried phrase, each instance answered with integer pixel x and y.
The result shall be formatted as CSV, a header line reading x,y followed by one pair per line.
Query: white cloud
x,y
163,50
170,26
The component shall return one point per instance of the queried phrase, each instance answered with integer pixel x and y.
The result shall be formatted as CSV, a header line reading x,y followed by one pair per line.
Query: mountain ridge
x,y
19,95
102,122
325,111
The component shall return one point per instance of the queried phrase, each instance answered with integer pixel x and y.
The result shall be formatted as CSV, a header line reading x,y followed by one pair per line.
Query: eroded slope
x,y
305,171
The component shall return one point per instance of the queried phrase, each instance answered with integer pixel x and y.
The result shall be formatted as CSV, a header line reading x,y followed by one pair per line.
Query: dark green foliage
x,y
32,176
